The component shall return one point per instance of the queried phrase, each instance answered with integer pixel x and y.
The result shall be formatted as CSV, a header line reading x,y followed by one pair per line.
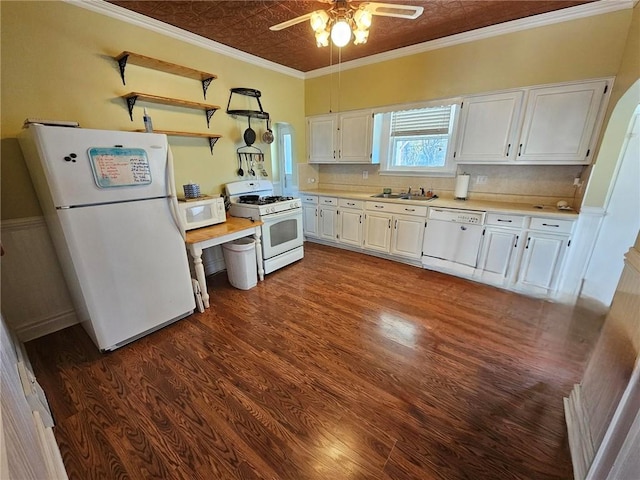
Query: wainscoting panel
x,y
35,298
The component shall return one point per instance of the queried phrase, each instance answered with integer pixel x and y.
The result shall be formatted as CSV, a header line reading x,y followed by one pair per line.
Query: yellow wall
x,y
57,64
579,49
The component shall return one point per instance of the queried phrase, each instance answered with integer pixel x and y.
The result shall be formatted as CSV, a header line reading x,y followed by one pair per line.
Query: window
x,y
415,140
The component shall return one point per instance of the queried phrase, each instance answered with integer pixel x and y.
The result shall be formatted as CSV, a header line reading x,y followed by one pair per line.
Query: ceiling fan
x,y
342,20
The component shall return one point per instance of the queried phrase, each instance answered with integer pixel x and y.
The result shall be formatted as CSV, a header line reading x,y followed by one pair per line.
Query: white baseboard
x,y
580,443
45,326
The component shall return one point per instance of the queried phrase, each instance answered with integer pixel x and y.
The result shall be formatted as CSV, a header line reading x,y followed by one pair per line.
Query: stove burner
x,y
255,200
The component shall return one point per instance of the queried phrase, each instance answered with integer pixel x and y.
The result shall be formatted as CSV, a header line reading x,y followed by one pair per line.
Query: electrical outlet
x,y
480,179
311,180
365,174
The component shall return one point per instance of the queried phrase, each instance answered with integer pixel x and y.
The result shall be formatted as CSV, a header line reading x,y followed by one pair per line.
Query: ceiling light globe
x,y
362,19
322,38
340,33
319,20
360,37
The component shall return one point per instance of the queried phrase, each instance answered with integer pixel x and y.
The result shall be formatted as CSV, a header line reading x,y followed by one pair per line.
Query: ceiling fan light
x,y
340,33
322,38
360,36
319,20
362,17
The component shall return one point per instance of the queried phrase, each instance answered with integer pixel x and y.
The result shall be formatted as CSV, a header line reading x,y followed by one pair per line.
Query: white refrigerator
x,y
108,199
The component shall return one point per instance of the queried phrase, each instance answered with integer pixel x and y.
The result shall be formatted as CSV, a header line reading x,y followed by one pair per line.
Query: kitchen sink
x,y
391,195
404,196
419,197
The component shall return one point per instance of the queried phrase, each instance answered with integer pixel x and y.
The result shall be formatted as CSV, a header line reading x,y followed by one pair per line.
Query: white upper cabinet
x,y
354,136
340,137
488,126
322,131
559,123
547,125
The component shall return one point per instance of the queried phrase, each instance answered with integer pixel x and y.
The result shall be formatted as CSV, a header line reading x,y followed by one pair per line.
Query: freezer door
x,y
130,266
69,165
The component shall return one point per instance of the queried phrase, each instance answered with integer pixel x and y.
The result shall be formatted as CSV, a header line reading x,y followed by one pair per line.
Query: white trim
x,y
20,223
44,326
550,18
572,13
586,231
580,442
134,18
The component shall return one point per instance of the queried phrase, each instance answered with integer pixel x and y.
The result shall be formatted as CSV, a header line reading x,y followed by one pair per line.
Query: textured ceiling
x,y
244,25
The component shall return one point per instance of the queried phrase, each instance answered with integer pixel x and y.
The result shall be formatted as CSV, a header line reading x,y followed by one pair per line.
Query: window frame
x,y
383,144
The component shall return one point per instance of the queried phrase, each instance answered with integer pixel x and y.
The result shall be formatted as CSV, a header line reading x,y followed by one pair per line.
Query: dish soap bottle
x,y
148,126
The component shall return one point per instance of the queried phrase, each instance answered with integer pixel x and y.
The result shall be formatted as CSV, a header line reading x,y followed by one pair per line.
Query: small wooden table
x,y
206,237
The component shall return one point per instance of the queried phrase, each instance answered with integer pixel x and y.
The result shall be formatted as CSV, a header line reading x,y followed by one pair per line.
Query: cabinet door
x,y
377,231
327,222
322,139
488,126
407,236
355,137
310,220
541,262
350,227
498,253
559,123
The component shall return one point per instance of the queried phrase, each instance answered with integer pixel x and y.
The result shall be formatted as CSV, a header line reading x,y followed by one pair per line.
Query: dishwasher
x,y
453,235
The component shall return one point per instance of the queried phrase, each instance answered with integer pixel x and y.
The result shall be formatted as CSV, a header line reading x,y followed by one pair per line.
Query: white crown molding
x,y
572,13
119,13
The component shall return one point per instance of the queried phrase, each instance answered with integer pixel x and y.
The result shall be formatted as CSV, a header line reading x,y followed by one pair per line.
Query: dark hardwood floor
x,y
341,366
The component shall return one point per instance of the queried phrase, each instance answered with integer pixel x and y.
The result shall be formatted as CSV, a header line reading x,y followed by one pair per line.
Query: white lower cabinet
x,y
310,215
377,231
395,229
350,218
499,254
501,248
328,218
407,236
541,262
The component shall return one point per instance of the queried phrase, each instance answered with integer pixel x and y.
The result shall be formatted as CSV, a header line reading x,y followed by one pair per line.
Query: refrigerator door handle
x,y
171,193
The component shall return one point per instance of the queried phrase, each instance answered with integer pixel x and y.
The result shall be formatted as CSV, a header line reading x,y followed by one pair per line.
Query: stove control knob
x,y
295,204
272,209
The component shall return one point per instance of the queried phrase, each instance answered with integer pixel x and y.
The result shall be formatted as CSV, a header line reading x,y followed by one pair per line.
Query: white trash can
x,y
240,258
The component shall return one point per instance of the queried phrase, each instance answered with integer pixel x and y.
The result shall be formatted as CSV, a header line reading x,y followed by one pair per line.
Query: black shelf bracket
x,y
209,112
122,63
205,85
212,143
131,101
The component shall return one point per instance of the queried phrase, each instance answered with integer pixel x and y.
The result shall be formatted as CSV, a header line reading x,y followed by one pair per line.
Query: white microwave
x,y
201,213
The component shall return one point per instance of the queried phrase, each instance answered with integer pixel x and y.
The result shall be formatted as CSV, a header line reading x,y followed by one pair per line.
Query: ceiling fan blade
x,y
393,10
289,23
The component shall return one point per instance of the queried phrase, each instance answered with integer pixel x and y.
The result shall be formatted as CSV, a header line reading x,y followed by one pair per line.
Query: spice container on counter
x,y
191,190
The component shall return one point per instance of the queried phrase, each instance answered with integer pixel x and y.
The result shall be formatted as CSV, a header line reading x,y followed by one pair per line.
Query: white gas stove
x,y
282,237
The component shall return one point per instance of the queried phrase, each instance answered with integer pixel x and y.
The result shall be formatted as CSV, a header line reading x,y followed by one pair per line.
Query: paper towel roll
x,y
462,186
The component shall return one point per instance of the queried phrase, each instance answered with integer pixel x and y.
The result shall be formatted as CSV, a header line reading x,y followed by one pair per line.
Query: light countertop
x,y
450,202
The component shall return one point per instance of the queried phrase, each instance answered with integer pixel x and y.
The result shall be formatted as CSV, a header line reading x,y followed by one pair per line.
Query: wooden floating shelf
x,y
132,97
148,62
212,137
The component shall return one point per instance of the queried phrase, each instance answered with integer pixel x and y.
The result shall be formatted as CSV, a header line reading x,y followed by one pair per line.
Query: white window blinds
x,y
423,121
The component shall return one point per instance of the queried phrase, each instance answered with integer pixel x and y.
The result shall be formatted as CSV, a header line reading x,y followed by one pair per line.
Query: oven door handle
x,y
272,217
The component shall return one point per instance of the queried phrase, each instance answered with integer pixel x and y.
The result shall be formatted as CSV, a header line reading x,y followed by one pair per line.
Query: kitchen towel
x,y
462,186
